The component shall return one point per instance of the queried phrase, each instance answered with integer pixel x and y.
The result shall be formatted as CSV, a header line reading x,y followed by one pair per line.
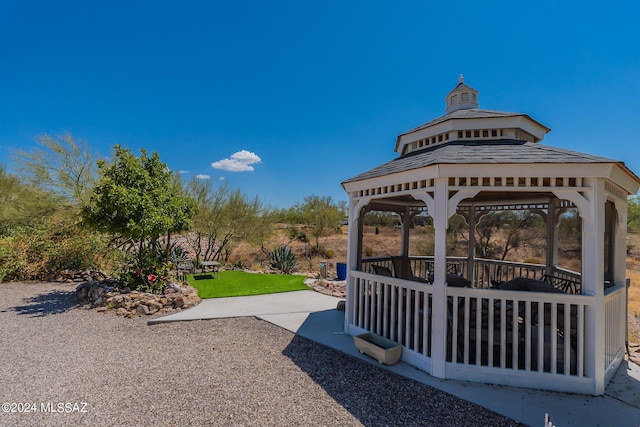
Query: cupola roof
x,y
464,121
462,97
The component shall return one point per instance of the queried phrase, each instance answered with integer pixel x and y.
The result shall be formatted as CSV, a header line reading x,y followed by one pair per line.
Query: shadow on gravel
x,y
376,396
54,302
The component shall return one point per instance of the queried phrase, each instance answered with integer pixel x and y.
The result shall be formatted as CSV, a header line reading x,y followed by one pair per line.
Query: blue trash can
x,y
341,270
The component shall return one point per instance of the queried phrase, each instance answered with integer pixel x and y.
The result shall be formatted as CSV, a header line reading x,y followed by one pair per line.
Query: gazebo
x,y
514,323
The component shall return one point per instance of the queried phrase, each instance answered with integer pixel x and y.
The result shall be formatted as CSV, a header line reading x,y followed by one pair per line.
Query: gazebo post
x,y
593,284
471,254
405,217
354,253
620,250
552,236
439,338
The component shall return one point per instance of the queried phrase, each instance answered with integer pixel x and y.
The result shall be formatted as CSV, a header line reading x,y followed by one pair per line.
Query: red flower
x,y
138,272
152,277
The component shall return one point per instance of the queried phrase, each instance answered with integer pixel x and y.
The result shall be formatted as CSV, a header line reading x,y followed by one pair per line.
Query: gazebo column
x,y
620,238
593,285
439,312
405,216
552,236
471,254
354,253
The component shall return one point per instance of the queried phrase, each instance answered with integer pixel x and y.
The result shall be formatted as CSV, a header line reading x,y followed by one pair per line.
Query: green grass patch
x,y
240,283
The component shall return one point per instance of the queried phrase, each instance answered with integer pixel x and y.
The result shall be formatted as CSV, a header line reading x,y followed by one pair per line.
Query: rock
x,y
178,302
142,310
101,309
155,305
121,311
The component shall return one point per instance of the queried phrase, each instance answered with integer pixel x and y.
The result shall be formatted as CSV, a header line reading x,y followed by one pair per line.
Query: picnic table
x,y
214,266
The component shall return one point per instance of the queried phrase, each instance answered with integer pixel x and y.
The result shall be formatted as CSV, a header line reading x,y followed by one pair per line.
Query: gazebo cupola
x,y
464,121
462,97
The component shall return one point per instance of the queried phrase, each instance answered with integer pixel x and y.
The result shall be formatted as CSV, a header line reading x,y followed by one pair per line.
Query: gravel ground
x,y
239,371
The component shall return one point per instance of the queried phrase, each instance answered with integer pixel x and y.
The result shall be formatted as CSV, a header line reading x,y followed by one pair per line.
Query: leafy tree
x,y
321,216
225,217
62,165
137,200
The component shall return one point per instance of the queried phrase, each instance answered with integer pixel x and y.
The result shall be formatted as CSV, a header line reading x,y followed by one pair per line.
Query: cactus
x,y
282,258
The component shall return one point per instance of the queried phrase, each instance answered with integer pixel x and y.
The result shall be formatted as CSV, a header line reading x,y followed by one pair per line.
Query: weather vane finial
x,y
460,78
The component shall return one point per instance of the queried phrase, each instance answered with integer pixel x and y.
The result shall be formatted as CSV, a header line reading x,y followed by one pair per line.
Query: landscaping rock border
x,y
104,295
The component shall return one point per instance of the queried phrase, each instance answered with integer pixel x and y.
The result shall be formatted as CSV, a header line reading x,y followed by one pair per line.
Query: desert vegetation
x,y
135,219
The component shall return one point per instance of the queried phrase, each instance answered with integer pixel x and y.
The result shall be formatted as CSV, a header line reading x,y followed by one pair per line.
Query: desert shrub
x,y
239,265
37,250
329,253
368,251
12,262
283,259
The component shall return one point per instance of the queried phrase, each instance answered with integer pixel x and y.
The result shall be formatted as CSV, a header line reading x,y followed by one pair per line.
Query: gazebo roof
x,y
481,152
471,113
467,135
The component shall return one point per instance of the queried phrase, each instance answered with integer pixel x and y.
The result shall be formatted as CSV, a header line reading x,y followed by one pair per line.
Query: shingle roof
x,y
471,113
480,152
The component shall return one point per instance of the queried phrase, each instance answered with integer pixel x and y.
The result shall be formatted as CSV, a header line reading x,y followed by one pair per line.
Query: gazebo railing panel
x,y
517,331
396,309
381,261
615,327
486,272
491,335
421,266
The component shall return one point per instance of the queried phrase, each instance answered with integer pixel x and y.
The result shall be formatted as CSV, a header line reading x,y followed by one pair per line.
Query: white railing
x,y
615,300
525,339
517,331
393,308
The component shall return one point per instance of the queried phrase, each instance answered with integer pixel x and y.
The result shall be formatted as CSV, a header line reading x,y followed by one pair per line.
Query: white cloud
x,y
202,176
183,172
238,162
221,178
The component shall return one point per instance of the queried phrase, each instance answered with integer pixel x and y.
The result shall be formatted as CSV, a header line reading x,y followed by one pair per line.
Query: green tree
x,y
138,201
225,217
61,165
321,216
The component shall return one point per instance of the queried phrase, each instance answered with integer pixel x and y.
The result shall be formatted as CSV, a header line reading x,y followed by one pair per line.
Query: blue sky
x,y
289,98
